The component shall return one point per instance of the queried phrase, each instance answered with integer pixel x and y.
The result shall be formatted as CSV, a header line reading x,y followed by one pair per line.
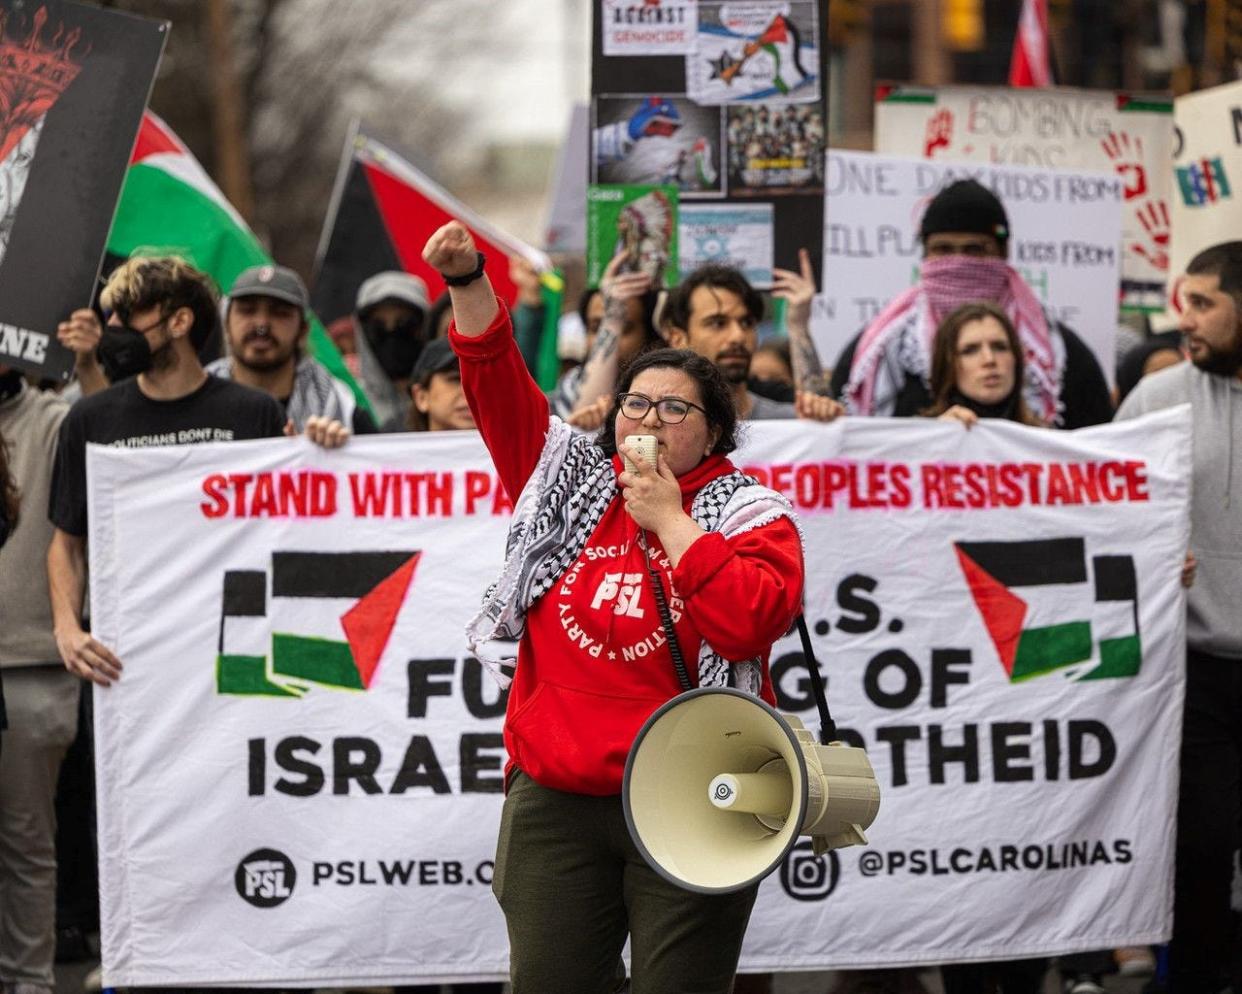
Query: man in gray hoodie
x,y
1210,803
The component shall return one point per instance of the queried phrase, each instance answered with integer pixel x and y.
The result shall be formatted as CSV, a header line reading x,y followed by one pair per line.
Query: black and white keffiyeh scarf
x,y
559,509
315,391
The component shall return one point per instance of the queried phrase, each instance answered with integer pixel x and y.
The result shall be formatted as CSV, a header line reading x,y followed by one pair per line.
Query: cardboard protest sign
x,y
341,748
1064,236
1207,165
740,117
642,221
72,93
663,140
649,27
738,236
1059,128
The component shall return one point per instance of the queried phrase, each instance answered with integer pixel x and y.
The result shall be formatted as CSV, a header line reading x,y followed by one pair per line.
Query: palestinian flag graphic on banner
x,y
383,211
1044,612
170,204
282,645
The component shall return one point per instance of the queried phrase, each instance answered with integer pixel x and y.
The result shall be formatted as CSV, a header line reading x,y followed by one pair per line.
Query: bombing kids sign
x,y
1128,134
302,733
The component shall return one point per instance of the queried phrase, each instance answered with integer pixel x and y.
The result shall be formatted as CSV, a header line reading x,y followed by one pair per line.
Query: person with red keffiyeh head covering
x,y
886,370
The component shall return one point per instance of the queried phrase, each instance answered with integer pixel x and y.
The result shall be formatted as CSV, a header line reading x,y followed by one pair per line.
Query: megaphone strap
x,y
827,727
666,618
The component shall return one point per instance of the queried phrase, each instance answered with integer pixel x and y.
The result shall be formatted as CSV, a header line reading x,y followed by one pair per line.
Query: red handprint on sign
x,y
1154,217
939,132
1127,156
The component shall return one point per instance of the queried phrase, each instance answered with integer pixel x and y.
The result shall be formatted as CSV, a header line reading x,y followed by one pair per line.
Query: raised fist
x,y
656,116
451,250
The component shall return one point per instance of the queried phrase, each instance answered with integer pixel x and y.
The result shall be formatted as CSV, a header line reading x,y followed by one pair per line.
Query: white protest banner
x,y
299,754
299,770
738,235
1207,164
1065,228
649,27
1057,127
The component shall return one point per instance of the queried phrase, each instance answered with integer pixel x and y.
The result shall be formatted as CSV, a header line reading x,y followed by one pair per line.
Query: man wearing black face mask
x,y
391,312
162,311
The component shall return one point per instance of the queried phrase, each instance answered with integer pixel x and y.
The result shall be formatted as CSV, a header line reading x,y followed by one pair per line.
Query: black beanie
x,y
966,206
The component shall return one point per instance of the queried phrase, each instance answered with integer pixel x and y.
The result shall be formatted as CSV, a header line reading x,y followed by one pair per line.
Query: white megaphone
x,y
718,787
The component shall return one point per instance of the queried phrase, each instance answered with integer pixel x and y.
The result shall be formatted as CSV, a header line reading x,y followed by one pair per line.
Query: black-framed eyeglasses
x,y
670,410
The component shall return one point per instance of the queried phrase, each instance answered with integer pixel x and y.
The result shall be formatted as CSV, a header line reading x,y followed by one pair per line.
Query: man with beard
x,y
886,370
716,312
265,328
391,312
162,310
1209,810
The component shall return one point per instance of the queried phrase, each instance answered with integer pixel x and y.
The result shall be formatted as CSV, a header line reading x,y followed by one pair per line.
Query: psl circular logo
x,y
265,878
807,877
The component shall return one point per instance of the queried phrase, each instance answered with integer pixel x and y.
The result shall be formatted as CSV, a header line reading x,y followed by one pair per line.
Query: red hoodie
x,y
593,663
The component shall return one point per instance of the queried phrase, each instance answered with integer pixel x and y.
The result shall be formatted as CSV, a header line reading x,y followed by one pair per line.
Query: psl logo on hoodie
x,y
1047,606
325,595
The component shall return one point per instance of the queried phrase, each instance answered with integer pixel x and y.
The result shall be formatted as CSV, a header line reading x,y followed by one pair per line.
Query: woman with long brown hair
x,y
977,367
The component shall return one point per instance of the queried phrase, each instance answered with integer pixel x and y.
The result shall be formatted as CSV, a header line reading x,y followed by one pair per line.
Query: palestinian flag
x,y
1037,604
780,40
282,645
170,204
383,211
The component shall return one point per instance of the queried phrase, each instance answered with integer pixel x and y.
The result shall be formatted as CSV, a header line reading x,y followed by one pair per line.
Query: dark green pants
x,y
572,885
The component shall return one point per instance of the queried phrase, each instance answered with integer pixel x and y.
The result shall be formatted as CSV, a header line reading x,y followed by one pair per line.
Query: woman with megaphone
x,y
628,578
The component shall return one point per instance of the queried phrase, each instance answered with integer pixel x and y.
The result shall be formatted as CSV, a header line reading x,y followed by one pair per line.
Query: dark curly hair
x,y
167,282
716,395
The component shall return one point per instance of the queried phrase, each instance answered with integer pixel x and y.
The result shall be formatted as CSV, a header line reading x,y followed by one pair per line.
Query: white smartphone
x,y
647,447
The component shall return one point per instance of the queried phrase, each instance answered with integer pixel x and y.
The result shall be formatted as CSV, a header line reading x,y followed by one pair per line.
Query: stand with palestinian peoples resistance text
x,y
75,84
725,103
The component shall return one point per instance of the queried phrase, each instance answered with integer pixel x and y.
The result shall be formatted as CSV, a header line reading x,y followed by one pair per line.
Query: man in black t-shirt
x,y
162,311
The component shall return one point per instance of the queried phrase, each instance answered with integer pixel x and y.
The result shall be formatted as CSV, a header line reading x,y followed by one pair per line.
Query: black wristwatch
x,y
468,278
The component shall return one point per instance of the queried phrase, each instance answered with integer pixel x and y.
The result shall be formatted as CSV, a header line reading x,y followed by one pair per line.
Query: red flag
x,y
1030,64
384,211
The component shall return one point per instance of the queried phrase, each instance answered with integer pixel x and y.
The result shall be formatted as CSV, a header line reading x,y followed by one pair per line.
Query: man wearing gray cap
x,y
391,312
265,328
